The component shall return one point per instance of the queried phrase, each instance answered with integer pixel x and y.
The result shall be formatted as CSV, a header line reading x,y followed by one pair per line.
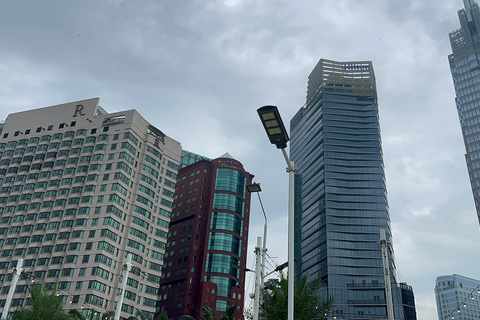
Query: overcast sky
x,y
198,70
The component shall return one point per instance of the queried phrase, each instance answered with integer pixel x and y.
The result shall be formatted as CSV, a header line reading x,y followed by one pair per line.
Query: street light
x,y
273,124
255,187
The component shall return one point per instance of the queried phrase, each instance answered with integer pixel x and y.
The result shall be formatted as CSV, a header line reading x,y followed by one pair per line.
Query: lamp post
x,y
255,187
276,132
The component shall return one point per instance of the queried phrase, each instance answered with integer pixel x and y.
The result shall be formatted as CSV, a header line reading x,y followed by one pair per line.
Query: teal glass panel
x,y
222,263
224,242
230,180
224,201
226,221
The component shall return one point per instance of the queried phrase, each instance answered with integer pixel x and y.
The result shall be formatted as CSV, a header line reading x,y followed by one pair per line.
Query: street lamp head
x,y
273,124
254,187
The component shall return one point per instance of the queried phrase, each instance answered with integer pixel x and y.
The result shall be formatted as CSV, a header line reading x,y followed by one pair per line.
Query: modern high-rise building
x,y
465,69
207,240
457,297
80,189
340,193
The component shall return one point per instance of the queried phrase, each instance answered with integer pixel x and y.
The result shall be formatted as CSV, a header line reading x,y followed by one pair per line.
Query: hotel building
x,y
80,189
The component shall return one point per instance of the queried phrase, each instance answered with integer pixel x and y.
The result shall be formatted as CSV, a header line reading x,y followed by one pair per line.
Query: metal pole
x,y
16,275
291,235
386,274
256,305
264,251
126,269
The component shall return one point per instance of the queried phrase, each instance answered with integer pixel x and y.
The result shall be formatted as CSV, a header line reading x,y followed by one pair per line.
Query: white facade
x,y
79,189
457,297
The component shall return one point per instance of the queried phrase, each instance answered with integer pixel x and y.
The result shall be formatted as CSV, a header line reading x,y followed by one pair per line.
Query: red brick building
x,y
208,236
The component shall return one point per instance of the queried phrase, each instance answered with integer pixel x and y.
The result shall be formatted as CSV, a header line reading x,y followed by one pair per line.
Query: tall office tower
x,y
457,297
465,69
207,240
340,193
81,188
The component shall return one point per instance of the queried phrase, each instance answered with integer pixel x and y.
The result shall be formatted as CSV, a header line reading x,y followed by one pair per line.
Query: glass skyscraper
x,y
465,68
340,193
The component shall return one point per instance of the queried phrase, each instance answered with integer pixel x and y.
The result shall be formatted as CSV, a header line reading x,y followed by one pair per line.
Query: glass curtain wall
x,y
340,192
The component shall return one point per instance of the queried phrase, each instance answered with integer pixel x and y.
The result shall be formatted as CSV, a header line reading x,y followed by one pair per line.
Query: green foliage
x,y
109,315
75,315
45,306
209,314
164,316
138,316
307,304
229,314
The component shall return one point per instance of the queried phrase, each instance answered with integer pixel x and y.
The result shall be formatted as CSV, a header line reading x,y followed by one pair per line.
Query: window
x,y
74,246
97,157
53,225
87,199
64,235
47,249
53,273
67,224
77,234
58,260
91,139
81,222
34,250
50,237
60,247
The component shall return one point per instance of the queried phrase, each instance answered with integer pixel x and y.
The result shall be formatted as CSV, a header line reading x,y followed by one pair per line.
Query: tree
x,y
76,315
307,304
163,316
229,314
138,316
208,314
45,306
109,315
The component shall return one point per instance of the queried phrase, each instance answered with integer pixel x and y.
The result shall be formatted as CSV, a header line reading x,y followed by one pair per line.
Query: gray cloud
x,y
198,70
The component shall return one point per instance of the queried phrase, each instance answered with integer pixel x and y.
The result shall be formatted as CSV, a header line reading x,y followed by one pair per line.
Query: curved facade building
x,y
457,297
340,192
207,239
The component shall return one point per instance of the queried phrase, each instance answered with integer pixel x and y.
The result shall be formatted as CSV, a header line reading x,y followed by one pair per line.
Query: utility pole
x,y
13,285
258,278
126,269
386,274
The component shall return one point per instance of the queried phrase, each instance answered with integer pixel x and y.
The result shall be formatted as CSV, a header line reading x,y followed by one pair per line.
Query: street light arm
x,y
279,268
290,165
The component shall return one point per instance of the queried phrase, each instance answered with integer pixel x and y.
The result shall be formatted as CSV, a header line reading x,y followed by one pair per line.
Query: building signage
x,y
229,166
79,110
356,67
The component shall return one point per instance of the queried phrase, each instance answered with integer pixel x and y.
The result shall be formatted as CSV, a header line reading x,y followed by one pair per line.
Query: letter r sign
x,y
79,110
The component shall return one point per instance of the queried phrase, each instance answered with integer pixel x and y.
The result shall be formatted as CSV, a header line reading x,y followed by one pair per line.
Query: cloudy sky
x,y
198,70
